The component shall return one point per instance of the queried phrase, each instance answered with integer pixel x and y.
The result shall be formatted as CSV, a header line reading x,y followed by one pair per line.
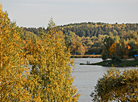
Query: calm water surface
x,y
86,76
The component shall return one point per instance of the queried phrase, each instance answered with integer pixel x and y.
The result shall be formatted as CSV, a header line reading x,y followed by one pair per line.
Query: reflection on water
x,y
86,76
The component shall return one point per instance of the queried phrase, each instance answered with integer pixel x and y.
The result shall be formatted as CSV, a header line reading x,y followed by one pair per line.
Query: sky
x,y
37,13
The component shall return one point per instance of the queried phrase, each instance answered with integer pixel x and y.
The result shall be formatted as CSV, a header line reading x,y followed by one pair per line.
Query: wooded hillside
x,y
88,38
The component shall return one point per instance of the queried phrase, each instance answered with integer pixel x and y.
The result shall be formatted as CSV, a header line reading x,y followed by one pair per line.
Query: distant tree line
x,y
88,38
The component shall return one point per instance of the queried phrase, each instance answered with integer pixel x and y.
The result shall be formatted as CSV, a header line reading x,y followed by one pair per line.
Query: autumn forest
x,y
35,63
49,79
89,38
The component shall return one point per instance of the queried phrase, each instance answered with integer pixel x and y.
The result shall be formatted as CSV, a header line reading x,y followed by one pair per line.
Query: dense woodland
x,y
36,69
89,38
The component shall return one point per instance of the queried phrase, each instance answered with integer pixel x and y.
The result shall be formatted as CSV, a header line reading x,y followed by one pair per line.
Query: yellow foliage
x,y
50,59
117,86
112,49
15,81
51,76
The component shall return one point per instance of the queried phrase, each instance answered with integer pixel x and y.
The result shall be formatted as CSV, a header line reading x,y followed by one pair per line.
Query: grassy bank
x,y
86,56
109,63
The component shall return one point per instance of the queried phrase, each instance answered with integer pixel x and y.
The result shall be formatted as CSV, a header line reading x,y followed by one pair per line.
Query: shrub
x,y
104,56
117,86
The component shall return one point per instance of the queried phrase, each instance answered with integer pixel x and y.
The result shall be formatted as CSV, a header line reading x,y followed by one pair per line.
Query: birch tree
x,y
15,82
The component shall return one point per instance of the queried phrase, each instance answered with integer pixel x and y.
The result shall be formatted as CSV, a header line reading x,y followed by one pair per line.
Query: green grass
x,y
129,63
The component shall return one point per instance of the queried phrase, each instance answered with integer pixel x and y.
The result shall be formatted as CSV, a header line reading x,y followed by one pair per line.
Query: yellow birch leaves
x,y
15,81
51,63
50,77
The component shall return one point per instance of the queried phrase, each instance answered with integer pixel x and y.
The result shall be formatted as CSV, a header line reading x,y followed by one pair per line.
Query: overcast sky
x,y
37,13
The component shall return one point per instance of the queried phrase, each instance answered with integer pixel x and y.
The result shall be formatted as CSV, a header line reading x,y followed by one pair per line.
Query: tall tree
x,y
50,61
15,82
107,43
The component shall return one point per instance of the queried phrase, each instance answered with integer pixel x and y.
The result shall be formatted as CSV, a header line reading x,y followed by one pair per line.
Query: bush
x,y
115,59
117,86
104,56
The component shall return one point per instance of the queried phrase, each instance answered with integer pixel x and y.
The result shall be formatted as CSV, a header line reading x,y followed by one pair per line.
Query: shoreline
x,y
109,63
86,56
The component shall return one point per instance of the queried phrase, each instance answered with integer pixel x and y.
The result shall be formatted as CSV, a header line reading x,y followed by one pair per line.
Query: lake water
x,y
86,76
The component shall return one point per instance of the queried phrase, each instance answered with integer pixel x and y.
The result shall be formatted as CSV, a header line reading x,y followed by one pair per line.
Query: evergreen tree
x,y
107,43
